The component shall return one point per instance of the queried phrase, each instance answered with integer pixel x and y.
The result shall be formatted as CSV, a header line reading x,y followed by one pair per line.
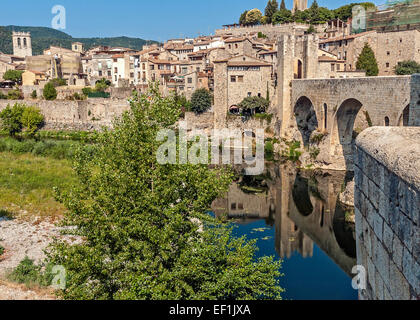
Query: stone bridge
x,y
331,108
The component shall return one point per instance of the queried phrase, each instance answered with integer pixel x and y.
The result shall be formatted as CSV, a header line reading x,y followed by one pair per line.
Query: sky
x,y
148,19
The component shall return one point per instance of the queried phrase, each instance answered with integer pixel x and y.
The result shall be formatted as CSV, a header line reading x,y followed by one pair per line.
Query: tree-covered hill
x,y
43,37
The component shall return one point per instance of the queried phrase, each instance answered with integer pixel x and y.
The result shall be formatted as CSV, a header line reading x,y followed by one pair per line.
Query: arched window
x,y
325,116
19,43
24,43
386,122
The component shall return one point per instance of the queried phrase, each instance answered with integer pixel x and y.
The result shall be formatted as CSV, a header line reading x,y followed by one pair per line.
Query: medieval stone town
x,y
343,119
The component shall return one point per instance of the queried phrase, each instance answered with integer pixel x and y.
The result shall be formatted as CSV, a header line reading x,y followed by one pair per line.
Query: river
x,y
296,216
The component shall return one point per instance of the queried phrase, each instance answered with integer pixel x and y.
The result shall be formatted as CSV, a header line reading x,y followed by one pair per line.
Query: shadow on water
x,y
297,217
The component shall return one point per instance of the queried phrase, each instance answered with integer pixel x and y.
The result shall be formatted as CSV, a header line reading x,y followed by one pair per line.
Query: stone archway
x,y
343,134
404,118
300,195
306,118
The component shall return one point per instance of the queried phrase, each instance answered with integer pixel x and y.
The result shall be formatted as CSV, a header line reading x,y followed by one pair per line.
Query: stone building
x,y
77,47
300,5
389,48
237,78
22,44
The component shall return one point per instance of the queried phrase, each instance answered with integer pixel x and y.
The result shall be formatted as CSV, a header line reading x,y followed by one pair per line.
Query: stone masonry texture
x,y
387,202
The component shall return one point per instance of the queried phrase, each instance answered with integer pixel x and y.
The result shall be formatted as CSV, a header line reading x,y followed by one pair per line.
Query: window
x,y
109,73
230,46
131,74
249,94
241,206
152,67
240,78
338,67
189,80
18,42
115,70
259,95
387,64
233,206
100,73
232,78
386,122
99,65
25,44
236,46
388,53
332,67
144,66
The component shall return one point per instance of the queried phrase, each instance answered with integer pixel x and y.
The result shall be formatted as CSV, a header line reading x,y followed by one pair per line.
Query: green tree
x,y
34,94
140,221
49,92
32,120
102,85
283,5
367,61
282,16
13,75
11,119
253,17
254,103
242,19
201,100
271,9
407,67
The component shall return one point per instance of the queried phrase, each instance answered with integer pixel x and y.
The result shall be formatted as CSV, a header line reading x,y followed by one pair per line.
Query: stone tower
x,y
22,44
300,5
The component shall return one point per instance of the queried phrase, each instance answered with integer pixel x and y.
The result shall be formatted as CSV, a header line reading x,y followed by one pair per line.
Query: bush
x,y
1,250
50,93
201,101
34,94
32,120
14,94
102,85
3,96
11,119
86,91
407,68
58,82
30,274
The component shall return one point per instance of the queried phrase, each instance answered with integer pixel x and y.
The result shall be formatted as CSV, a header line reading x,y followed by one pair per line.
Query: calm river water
x,y
297,217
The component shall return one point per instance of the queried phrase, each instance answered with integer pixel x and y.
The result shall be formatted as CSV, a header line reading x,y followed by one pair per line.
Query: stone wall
x,y
387,206
90,114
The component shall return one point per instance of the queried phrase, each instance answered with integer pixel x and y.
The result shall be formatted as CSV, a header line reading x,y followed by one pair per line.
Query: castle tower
x,y
77,47
22,44
300,5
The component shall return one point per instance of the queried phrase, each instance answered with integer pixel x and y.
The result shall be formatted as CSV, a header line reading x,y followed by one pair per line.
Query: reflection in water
x,y
307,220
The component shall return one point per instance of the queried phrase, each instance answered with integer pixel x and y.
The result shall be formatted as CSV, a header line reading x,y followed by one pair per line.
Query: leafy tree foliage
x,y
102,85
140,221
254,103
49,92
367,61
282,16
32,120
15,94
345,12
11,119
242,19
407,67
201,100
270,10
13,75
253,17
20,116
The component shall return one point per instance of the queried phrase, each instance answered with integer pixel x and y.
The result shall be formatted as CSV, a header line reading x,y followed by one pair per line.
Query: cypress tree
x,y
271,9
367,61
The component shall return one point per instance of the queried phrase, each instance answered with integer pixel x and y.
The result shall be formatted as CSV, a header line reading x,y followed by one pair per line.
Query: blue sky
x,y
148,19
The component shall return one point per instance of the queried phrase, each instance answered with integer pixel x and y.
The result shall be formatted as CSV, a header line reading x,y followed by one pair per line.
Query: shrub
x,y
32,120
1,250
269,151
50,93
58,82
14,94
201,100
30,274
314,153
102,85
11,119
3,96
86,91
407,67
33,94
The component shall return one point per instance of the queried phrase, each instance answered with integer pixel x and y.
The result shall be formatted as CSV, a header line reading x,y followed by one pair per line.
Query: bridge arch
x,y
306,118
404,117
342,134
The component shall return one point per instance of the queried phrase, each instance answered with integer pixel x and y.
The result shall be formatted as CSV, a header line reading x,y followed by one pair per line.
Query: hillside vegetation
x,y
43,37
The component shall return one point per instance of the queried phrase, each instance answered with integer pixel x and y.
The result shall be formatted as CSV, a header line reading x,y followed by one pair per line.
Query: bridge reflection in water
x,y
307,222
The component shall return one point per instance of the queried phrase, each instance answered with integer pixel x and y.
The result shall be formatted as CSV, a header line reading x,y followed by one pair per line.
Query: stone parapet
x,y
387,206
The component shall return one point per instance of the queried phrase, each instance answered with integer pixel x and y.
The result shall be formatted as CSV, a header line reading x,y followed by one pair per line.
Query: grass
x,y
31,275
27,182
